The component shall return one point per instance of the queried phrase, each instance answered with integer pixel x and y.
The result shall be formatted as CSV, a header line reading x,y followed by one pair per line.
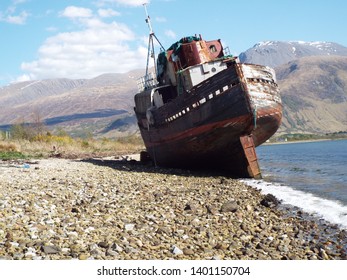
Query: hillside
x,y
276,53
314,94
313,84
89,105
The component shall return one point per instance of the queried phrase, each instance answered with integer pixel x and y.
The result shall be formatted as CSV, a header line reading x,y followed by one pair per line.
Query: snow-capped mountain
x,y
311,77
275,53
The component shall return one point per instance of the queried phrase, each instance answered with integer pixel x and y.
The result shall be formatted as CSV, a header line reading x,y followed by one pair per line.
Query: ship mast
x,y
150,52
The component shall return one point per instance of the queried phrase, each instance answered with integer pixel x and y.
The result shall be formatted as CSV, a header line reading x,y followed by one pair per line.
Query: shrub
x,y
55,139
21,131
8,147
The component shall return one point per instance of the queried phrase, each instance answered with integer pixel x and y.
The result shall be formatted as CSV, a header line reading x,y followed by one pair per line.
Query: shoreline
x,y
121,209
300,141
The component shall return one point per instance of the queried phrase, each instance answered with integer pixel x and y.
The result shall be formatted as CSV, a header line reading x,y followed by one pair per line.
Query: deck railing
x,y
148,81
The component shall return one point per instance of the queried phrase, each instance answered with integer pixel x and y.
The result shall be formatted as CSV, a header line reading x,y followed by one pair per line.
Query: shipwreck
x,y
202,108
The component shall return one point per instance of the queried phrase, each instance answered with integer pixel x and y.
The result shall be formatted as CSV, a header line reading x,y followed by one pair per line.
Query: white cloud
x,y
10,15
104,13
51,29
16,19
77,12
160,19
16,2
133,3
170,34
23,78
97,49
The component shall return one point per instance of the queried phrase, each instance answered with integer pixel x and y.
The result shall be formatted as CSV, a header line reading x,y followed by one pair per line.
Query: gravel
x,y
121,209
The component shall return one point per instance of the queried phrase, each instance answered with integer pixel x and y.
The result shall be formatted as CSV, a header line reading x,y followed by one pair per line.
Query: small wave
x,y
298,169
331,211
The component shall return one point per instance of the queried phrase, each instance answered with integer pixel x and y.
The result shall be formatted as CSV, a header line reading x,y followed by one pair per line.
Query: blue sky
x,y
82,39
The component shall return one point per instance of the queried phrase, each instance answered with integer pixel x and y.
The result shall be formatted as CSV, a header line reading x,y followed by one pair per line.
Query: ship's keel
x,y
250,156
240,160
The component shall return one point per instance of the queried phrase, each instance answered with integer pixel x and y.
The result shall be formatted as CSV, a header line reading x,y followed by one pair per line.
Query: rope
x,y
255,116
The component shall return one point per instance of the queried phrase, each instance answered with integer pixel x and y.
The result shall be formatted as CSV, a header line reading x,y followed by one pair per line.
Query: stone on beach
x,y
229,206
109,209
269,200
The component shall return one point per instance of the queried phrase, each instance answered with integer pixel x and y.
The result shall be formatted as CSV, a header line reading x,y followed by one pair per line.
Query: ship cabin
x,y
184,65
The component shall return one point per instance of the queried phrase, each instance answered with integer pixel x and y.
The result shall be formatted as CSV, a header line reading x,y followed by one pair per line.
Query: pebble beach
x,y
121,209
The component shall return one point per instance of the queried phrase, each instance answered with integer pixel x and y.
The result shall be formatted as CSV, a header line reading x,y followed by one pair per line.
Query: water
x,y
312,176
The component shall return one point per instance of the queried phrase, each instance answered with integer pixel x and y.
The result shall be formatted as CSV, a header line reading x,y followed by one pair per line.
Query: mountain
x,y
312,77
85,105
276,53
314,94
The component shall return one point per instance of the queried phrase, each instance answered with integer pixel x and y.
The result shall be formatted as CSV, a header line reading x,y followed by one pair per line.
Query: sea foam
x,y
329,210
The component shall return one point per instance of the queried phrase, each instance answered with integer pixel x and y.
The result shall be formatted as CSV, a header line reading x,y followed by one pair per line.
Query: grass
x,y
292,137
10,151
11,155
67,147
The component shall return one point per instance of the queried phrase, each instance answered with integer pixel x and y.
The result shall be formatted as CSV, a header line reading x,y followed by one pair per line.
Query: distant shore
x,y
121,209
301,141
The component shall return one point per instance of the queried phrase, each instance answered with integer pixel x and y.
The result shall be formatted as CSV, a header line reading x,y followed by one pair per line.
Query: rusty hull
x,y
218,124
